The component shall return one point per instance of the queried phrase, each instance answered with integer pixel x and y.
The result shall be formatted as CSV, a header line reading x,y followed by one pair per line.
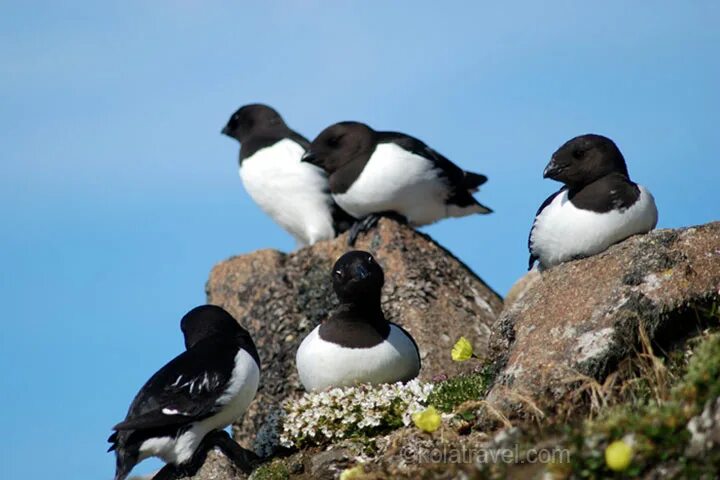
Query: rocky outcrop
x,y
579,319
559,330
280,298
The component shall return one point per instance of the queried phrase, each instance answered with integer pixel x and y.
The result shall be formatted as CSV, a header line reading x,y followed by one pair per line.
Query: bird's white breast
x,y
322,364
563,231
293,193
238,394
397,180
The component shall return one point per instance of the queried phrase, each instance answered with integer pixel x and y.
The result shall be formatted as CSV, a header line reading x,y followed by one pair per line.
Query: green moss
x,y
702,380
271,471
450,393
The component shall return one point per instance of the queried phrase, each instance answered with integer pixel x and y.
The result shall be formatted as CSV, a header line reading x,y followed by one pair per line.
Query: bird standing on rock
x,y
357,344
597,207
179,414
375,174
295,194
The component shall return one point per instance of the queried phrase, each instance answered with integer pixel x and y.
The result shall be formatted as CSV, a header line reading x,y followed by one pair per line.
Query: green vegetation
x,y
271,471
657,429
451,393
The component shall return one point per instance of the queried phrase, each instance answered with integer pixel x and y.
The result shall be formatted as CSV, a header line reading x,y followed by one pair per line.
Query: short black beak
x,y
361,272
309,157
552,170
225,131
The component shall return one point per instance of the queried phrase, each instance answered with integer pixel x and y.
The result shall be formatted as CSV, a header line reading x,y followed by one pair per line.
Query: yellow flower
x,y
462,350
618,456
428,420
352,473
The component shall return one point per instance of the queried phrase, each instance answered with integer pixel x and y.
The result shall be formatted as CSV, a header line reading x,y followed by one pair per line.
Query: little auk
x,y
357,344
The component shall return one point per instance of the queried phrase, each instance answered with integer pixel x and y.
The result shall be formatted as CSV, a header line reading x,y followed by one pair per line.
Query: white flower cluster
x,y
339,413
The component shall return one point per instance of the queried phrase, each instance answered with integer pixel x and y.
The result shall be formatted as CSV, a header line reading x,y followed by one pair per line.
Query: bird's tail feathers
x,y
482,209
455,210
126,456
472,181
124,463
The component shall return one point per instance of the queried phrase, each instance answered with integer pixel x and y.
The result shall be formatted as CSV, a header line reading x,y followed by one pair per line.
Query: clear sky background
x,y
118,193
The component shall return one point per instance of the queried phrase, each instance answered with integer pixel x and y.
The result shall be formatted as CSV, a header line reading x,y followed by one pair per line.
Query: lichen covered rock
x,y
578,320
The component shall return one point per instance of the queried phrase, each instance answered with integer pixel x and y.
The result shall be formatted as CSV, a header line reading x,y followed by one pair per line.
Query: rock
x,y
280,298
521,286
704,430
327,465
580,318
217,467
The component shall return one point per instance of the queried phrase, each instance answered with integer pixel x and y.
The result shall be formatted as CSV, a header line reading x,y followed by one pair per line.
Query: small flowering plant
x,y
427,420
618,455
462,350
363,410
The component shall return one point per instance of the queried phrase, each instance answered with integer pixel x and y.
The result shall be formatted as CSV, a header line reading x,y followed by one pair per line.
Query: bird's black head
x,y
206,321
340,144
252,119
584,159
357,277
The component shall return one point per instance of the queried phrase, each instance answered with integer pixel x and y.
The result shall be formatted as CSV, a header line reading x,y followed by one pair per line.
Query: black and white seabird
x,y
357,344
295,194
378,173
192,398
597,207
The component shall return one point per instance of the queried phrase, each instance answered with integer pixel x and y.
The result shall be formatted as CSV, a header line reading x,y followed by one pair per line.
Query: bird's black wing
x,y
186,389
417,348
547,202
447,168
462,183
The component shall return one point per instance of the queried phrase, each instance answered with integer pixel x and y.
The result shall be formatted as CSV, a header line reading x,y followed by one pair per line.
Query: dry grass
x,y
637,379
532,407
488,407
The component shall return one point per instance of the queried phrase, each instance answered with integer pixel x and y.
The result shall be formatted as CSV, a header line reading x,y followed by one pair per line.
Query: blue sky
x,y
118,193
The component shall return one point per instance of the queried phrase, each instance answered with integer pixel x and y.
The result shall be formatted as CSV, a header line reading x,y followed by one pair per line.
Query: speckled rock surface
x,y
582,317
218,467
280,298
520,287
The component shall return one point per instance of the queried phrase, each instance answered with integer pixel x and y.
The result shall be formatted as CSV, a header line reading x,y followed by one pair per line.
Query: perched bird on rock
x,y
388,173
597,207
295,194
180,412
357,344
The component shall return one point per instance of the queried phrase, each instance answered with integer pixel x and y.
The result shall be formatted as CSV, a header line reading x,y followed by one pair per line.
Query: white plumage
x,y
563,232
397,180
293,193
239,392
323,364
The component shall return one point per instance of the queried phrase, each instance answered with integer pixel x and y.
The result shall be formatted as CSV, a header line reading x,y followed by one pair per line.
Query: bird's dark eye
x,y
334,141
578,154
338,273
371,259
